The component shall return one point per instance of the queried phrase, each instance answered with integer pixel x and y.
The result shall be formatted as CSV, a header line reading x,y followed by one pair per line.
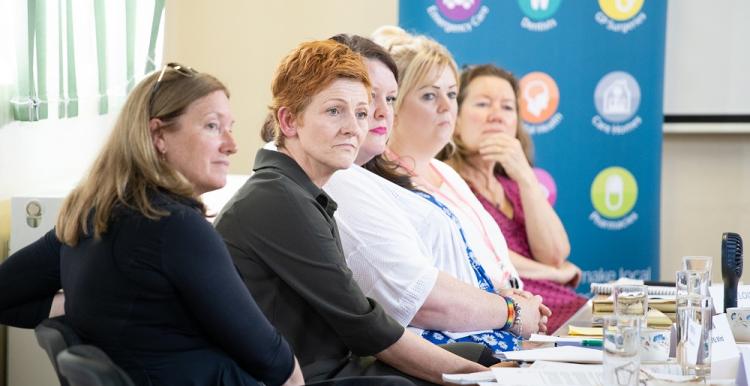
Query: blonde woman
x,y
145,276
425,114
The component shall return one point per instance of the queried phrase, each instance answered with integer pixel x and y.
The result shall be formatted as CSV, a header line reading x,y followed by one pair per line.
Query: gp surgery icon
x,y
540,98
620,10
617,97
614,193
538,14
456,16
620,15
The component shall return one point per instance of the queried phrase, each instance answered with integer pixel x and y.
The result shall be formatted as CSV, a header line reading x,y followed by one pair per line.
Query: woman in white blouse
x,y
404,250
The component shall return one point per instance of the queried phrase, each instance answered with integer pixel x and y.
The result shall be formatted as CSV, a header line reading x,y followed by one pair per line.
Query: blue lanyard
x,y
484,282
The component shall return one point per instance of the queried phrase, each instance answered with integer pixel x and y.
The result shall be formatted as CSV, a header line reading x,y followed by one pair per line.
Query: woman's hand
x,y
296,377
507,150
533,315
569,274
544,311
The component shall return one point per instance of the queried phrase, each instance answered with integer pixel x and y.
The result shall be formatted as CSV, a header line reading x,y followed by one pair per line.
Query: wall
x,y
242,44
236,41
705,166
705,178
705,191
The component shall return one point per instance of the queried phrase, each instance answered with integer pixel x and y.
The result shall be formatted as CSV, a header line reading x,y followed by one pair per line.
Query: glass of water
x,y
695,319
631,300
697,263
689,284
621,341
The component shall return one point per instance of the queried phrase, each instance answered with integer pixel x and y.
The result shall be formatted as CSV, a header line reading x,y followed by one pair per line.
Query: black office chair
x,y
85,365
54,336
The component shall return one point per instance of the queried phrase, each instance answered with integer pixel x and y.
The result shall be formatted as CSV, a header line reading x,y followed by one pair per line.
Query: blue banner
x,y
591,96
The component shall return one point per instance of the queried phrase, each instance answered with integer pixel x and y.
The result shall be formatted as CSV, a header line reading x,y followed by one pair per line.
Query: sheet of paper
x,y
723,345
537,338
526,376
717,294
572,354
547,365
743,373
584,331
469,379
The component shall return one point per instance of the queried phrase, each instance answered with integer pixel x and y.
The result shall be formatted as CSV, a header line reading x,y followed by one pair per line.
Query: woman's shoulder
x,y
452,178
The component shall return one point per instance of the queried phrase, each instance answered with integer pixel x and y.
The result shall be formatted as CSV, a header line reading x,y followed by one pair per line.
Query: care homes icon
x,y
617,98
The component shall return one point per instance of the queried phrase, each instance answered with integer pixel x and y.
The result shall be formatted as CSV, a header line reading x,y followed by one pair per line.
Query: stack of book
x,y
662,307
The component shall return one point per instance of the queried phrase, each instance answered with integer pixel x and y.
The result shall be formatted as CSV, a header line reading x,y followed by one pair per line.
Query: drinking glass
x,y
689,284
621,350
697,263
631,300
695,317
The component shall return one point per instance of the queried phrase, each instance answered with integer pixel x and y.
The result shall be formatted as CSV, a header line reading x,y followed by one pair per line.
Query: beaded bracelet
x,y
511,313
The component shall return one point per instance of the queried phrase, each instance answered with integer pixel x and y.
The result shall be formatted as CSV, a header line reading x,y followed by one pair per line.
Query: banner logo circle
x,y
539,9
540,97
621,9
458,10
614,192
617,96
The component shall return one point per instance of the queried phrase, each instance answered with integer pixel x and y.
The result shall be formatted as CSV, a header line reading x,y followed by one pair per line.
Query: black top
x,y
162,298
279,228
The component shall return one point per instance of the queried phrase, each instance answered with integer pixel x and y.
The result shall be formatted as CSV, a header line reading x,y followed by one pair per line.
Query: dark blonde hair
x,y
456,153
128,168
307,70
417,58
372,51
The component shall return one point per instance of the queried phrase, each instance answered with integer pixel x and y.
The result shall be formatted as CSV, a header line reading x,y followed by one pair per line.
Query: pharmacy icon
x,y
613,192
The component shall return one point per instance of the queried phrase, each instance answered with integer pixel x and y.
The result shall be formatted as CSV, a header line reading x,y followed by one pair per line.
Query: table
x,y
582,318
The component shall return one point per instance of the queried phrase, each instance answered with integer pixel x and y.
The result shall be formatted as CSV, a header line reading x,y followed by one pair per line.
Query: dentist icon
x,y
539,5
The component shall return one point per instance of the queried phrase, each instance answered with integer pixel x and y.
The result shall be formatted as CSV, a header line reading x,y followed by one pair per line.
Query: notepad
x,y
606,289
572,354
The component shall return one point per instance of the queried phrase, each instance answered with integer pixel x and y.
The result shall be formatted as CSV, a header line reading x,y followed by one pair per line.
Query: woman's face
x,y
428,112
380,122
201,143
332,127
489,107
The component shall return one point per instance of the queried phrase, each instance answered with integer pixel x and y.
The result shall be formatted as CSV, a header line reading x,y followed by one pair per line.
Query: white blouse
x,y
395,241
481,231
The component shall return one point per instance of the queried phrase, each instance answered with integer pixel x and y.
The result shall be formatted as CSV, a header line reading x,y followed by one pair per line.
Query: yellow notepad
x,y
584,331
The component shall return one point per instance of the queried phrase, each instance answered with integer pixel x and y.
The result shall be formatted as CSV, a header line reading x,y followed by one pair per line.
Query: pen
x,y
591,343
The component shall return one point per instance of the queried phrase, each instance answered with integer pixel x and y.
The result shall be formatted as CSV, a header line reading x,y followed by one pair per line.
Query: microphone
x,y
731,266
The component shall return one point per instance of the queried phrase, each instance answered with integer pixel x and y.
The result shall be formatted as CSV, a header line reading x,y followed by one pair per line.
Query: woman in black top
x,y
145,276
280,228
